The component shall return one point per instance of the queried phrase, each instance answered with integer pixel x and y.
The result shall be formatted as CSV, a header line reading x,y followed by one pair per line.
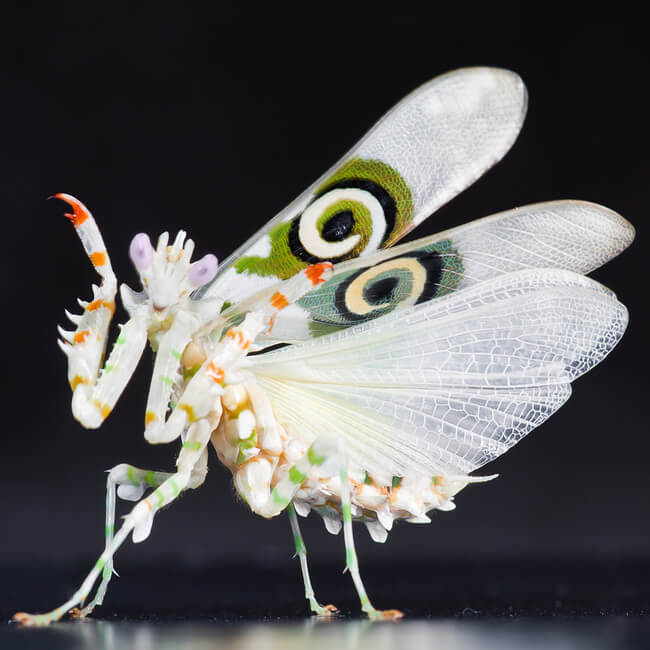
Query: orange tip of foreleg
x,y
79,211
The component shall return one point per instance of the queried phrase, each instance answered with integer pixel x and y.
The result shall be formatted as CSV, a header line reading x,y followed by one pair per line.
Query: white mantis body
x,y
410,366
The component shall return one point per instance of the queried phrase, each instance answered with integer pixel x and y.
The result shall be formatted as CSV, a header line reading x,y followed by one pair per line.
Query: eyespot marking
x,y
363,206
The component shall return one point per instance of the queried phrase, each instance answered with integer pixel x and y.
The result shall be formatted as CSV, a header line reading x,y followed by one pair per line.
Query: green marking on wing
x,y
386,177
452,270
288,256
365,293
281,262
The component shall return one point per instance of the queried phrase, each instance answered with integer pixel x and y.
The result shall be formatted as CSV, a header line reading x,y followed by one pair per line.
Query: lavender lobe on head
x,y
141,251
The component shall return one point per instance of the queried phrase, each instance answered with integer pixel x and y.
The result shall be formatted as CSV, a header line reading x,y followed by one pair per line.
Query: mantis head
x,y
166,273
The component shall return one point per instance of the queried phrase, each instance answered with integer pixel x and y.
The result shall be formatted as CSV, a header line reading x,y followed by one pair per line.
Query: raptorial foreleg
x,y
96,391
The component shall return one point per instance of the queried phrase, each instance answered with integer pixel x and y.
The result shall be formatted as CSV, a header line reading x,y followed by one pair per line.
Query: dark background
x,y
212,121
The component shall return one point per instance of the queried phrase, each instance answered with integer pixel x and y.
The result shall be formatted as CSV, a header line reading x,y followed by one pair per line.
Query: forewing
x,y
572,235
428,148
446,386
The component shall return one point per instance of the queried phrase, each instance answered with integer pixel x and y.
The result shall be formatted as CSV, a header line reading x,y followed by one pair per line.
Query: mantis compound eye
x,y
203,271
141,251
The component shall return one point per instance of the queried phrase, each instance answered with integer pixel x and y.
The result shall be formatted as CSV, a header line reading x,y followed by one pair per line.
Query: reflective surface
x,y
460,634
452,605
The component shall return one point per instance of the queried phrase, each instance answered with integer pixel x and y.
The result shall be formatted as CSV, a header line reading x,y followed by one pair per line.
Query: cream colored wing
x,y
446,386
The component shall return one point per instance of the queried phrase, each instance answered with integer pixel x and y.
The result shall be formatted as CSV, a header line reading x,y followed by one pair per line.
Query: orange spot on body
x,y
148,504
238,337
278,301
76,380
355,484
80,337
315,272
79,211
191,417
104,409
149,417
392,494
215,373
98,258
271,323
96,304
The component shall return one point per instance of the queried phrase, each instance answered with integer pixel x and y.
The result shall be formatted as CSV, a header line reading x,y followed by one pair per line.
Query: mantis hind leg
x,y
351,562
301,552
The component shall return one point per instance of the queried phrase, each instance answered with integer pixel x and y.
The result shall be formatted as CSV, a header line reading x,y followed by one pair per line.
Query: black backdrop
x,y
212,121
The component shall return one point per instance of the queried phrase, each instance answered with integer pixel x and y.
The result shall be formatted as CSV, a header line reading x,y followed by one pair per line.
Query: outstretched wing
x,y
446,386
572,235
428,148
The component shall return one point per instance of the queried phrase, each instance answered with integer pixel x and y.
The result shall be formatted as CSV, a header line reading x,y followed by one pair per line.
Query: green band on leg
x,y
175,489
299,544
158,493
130,473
